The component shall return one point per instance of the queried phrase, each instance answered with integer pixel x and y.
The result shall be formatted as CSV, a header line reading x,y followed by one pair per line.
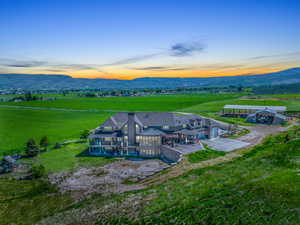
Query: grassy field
x,y
262,187
211,109
204,155
67,158
18,125
284,96
147,103
26,202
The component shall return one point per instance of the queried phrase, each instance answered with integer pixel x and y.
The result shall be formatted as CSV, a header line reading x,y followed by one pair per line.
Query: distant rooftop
x,y
256,107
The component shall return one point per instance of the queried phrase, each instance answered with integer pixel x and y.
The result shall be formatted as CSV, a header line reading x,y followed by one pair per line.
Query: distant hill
x,y
46,81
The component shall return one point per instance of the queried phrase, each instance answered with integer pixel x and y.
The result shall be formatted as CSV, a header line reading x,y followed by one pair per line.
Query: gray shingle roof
x,y
151,119
188,132
152,132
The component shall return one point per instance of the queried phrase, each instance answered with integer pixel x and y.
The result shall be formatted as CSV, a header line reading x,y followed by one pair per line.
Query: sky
x,y
149,38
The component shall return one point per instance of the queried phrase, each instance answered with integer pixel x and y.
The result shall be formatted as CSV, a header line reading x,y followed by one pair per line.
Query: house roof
x,y
188,132
98,135
256,107
151,119
152,132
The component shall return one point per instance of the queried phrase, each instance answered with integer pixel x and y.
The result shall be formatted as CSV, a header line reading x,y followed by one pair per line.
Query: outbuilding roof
x,y
256,107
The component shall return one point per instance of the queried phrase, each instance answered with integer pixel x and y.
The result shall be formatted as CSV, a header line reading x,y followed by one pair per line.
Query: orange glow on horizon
x,y
132,74
129,75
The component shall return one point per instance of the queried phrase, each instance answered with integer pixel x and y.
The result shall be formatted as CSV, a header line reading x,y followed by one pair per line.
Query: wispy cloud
x,y
161,68
132,60
186,49
74,66
21,63
175,50
48,65
275,56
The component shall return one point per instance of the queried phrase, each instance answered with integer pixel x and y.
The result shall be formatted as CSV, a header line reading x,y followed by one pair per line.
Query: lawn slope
x,y
18,125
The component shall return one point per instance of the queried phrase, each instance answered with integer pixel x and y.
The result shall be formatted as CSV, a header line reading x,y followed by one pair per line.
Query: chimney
x,y
208,124
131,129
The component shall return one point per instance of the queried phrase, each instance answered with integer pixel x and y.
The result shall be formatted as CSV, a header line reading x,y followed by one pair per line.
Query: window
x,y
138,139
107,128
137,128
125,129
184,125
166,127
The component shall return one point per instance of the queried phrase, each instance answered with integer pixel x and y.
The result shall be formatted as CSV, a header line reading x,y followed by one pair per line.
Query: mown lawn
x,y
18,125
68,158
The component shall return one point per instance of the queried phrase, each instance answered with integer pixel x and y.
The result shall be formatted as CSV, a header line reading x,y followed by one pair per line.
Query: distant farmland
x,y
17,125
147,103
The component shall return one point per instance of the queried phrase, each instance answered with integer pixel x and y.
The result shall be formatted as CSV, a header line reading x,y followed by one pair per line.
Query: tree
x,y
84,134
44,142
57,145
32,149
28,96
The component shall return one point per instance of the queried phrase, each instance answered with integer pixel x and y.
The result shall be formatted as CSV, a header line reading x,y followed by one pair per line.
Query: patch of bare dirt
x,y
107,179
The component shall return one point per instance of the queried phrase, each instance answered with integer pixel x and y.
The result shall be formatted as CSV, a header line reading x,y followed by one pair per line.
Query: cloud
x,y
132,60
274,56
49,66
186,49
162,68
175,50
24,64
74,66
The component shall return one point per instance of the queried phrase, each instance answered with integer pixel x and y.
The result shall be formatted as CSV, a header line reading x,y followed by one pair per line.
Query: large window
x,y
149,140
107,139
166,127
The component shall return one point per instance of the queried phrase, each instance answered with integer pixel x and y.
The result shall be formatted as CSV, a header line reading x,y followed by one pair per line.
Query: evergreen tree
x,y
84,134
57,145
32,149
44,142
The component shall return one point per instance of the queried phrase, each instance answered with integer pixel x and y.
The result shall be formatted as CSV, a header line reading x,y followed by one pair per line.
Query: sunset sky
x,y
129,39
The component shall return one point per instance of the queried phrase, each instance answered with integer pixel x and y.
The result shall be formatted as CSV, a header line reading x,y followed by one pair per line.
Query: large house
x,y
144,134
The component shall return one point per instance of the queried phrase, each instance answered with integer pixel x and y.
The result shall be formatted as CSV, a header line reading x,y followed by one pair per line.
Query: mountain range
x,y
46,81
